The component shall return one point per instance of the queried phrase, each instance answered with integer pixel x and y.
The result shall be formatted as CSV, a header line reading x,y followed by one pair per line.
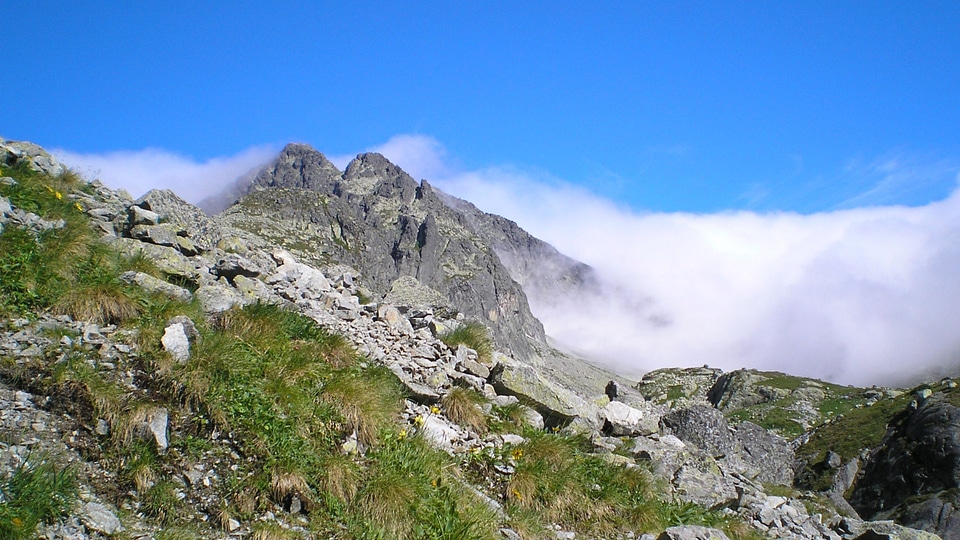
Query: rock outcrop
x,y
375,218
915,474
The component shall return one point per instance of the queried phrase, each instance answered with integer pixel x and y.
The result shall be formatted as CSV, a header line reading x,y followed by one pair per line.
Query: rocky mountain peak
x,y
299,166
378,220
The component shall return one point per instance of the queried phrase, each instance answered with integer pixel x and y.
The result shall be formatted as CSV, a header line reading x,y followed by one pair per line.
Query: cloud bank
x,y
142,170
859,296
855,295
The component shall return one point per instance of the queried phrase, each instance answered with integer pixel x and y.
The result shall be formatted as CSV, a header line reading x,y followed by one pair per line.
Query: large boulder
x,y
703,426
918,463
558,405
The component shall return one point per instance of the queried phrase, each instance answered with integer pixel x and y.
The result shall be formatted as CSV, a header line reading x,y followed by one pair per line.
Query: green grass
x,y
558,480
411,491
65,269
472,334
858,429
37,491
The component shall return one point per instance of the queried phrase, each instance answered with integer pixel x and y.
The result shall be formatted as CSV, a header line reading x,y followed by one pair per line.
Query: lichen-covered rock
x,y
216,298
156,285
558,405
702,426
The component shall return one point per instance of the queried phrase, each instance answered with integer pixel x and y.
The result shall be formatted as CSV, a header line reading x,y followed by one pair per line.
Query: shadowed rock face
x,y
374,217
919,457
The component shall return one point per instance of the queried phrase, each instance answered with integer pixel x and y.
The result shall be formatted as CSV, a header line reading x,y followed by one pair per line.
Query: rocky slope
x,y
370,255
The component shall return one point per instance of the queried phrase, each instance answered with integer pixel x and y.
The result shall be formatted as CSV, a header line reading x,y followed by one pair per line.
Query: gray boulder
x,y
624,420
137,215
558,405
176,342
703,426
216,298
768,457
156,285
692,532
161,235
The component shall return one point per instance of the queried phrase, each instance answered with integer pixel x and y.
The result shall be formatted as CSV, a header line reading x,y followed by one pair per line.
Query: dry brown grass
x,y
100,304
341,477
285,484
367,403
462,406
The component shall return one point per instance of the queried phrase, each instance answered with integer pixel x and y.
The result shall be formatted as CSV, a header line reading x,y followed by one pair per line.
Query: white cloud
x,y
421,156
139,171
858,296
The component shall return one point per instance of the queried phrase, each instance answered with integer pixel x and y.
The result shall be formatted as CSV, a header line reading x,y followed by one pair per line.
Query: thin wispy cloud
x,y
139,171
896,177
856,295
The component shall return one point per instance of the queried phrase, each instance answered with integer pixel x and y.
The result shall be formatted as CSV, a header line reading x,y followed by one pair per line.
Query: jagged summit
x,y
298,166
376,218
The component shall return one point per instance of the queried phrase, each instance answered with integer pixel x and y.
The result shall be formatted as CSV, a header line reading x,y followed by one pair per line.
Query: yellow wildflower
x,y
516,494
58,195
517,453
402,435
418,420
77,205
435,410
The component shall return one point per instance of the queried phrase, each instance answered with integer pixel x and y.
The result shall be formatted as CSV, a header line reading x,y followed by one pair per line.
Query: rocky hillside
x,y
166,374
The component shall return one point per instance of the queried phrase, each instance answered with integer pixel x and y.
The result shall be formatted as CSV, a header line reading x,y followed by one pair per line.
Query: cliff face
x,y
377,219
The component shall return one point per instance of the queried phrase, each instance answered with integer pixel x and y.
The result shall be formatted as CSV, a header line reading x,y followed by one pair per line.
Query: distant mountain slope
x,y
377,219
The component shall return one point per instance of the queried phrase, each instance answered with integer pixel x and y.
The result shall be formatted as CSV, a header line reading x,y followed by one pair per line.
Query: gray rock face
x,y
545,274
919,460
748,450
13,152
374,217
938,513
702,426
768,454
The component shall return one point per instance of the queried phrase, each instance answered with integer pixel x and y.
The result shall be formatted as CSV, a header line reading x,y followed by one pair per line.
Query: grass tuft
x,y
36,492
463,407
472,334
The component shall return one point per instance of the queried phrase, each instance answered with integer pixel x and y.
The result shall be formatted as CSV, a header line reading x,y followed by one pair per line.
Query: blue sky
x,y
761,184
672,106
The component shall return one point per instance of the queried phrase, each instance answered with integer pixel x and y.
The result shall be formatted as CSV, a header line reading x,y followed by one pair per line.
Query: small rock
x,y
176,343
140,216
99,518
